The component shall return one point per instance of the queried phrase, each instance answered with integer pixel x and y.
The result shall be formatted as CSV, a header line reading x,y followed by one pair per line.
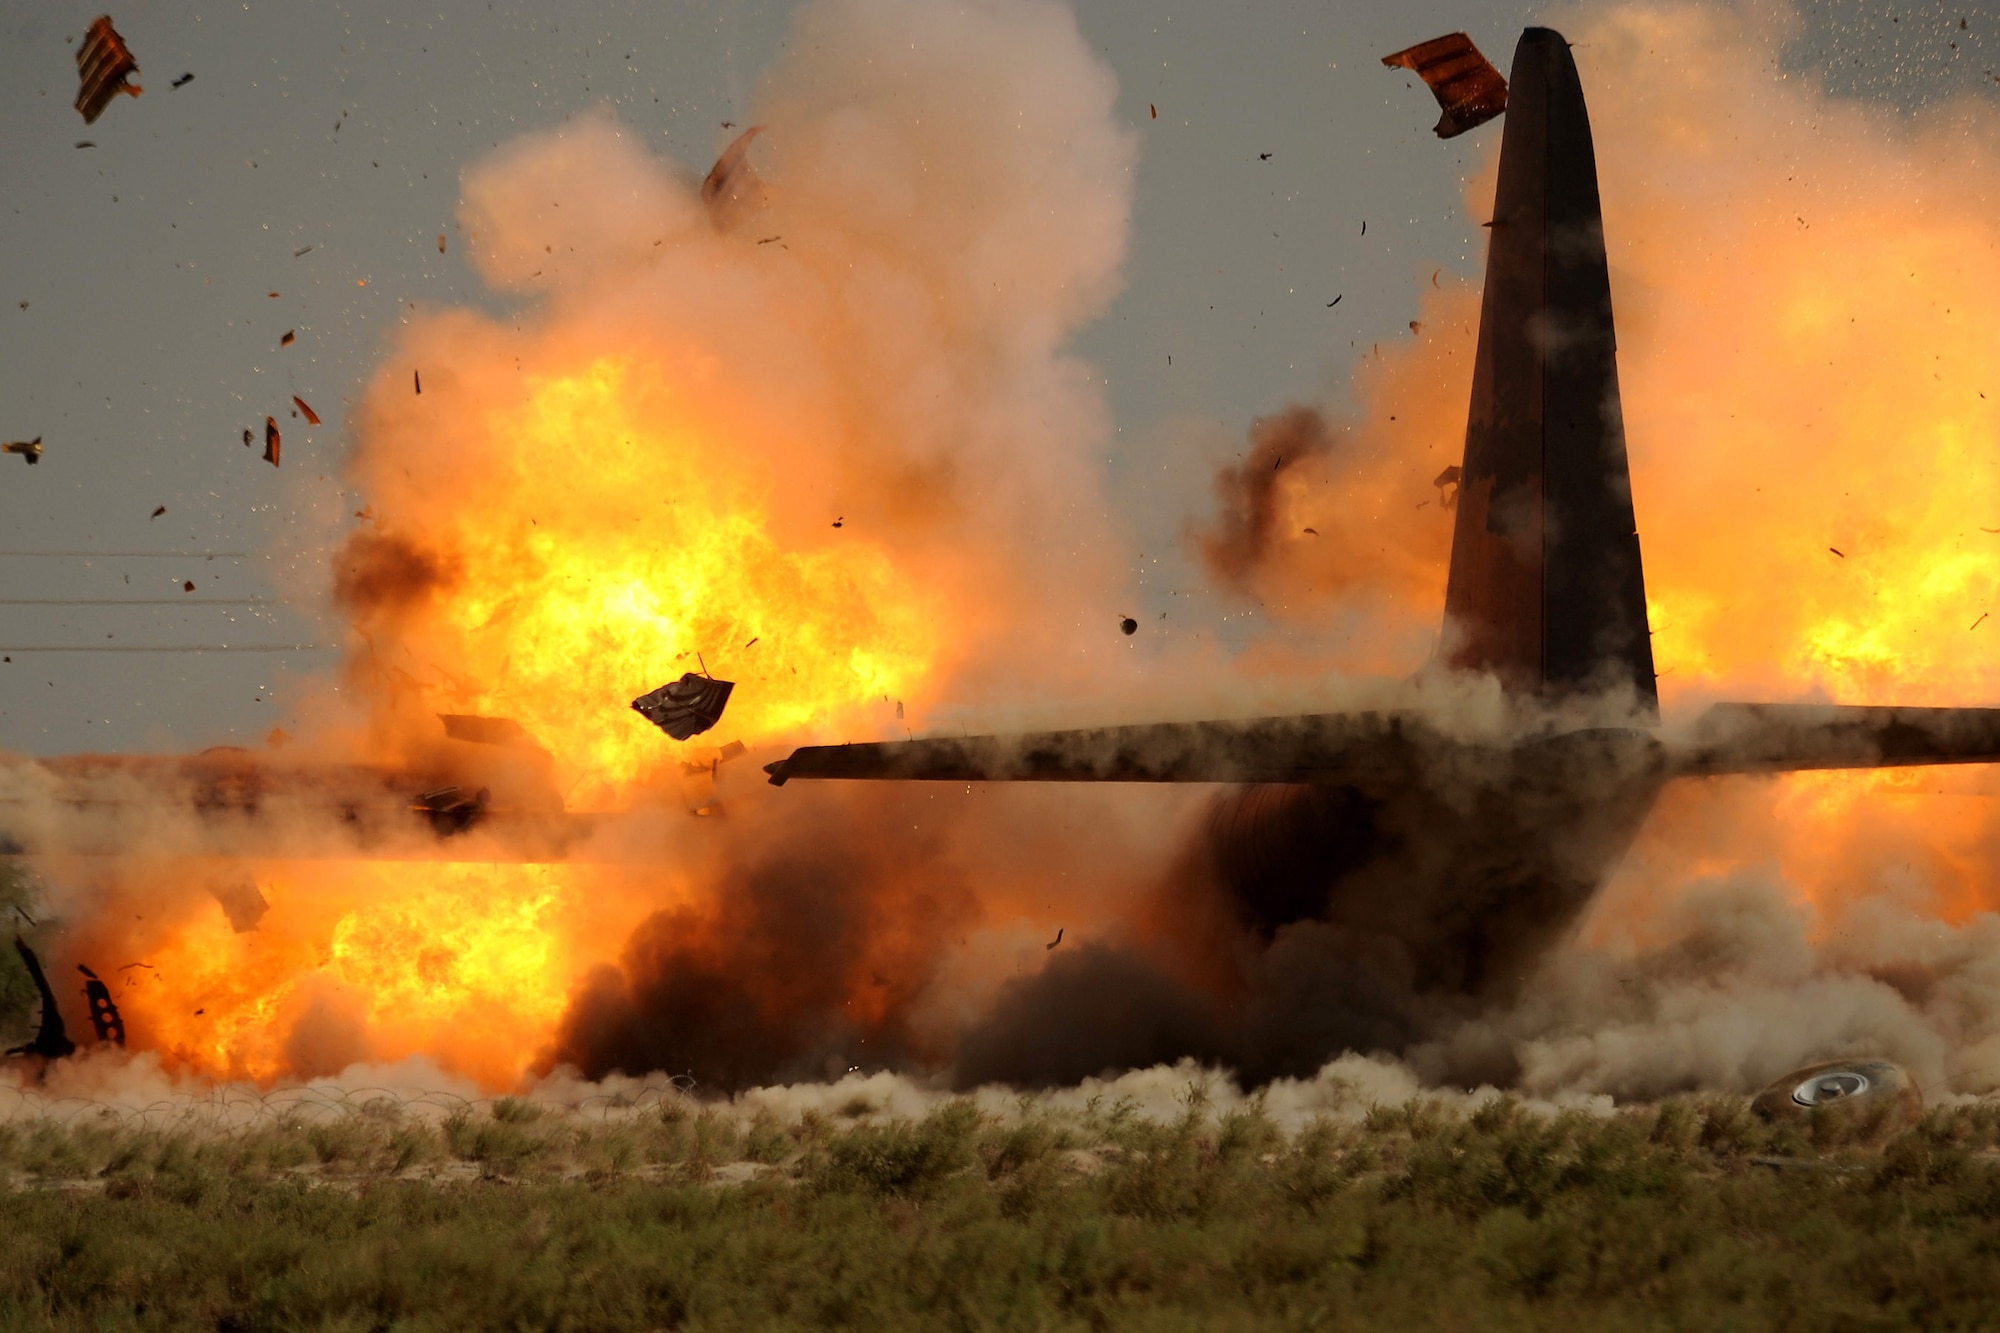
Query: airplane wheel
x,y
1871,1096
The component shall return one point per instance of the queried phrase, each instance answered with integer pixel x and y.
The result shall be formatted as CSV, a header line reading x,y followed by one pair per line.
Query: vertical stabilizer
x,y
1546,589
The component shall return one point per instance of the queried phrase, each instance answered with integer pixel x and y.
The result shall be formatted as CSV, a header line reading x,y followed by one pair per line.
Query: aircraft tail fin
x,y
1546,589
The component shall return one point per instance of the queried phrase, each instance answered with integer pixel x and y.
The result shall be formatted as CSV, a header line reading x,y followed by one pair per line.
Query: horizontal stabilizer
x,y
1353,748
1784,738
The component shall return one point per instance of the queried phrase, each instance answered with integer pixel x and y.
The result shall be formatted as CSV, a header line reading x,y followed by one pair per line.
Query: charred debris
x,y
1468,89
52,1040
103,65
686,707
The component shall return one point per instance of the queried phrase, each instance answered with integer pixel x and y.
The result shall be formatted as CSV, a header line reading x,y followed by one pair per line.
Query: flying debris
x,y
687,707
28,449
104,1015
732,183
86,143
312,417
440,242
246,437
1128,626
183,81
187,585
242,902
838,521
417,378
302,250
1057,940
156,513
273,441
1154,109
51,1041
291,336
104,64
1468,88
1335,301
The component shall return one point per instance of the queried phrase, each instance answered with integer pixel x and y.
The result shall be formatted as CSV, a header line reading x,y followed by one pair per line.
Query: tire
x,y
1860,1098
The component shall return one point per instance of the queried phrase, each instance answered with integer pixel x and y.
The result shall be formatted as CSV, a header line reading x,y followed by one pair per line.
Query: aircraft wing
x,y
1784,738
1370,748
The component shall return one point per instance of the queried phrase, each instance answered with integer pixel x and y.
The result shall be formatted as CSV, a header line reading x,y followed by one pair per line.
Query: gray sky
x,y
147,342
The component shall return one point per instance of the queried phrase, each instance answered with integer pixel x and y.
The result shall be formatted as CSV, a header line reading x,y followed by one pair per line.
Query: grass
x,y
1417,1216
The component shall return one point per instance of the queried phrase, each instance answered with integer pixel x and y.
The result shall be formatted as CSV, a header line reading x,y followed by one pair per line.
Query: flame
x,y
1813,412
616,538
612,538
460,959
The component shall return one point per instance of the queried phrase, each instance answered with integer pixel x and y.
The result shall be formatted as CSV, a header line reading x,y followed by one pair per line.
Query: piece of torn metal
x,y
732,186
312,417
28,449
242,902
486,730
1468,89
103,64
51,1040
686,707
273,441
183,81
450,810
1057,940
104,1015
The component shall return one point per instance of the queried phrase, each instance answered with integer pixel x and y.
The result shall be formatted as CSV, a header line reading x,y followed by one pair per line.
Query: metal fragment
x,y
104,1015
51,1040
1467,87
103,64
686,707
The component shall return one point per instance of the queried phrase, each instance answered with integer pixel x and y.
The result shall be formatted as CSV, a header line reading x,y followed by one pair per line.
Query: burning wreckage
x,y
103,65
484,773
1471,858
1475,855
52,1039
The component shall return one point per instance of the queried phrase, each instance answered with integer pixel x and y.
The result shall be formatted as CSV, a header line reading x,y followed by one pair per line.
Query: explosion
x,y
828,443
